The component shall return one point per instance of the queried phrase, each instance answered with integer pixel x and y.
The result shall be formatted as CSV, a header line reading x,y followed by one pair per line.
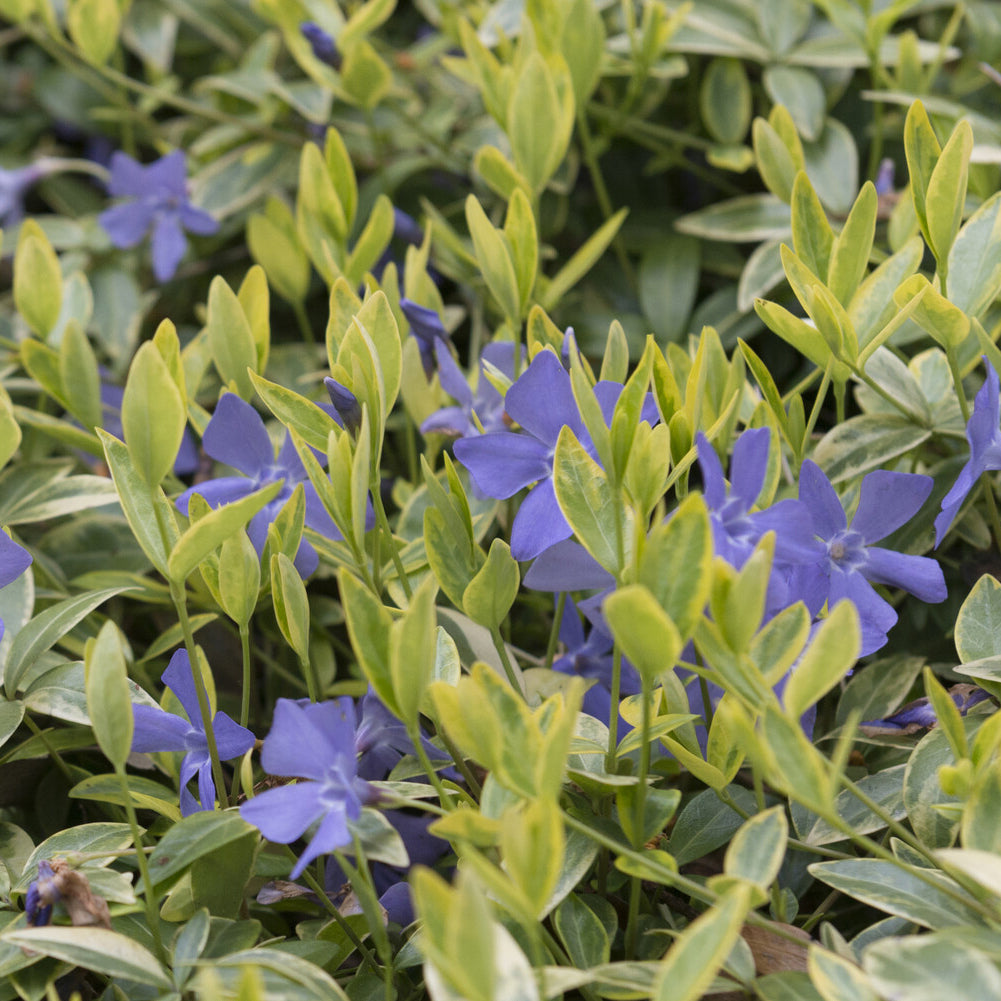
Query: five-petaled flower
x,y
851,564
158,730
314,742
236,435
158,201
984,435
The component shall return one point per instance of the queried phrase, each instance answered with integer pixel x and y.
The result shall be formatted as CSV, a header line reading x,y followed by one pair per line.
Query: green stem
x,y
554,633
613,715
635,884
312,682
501,647
988,490
414,733
180,604
53,753
245,654
387,532
152,915
302,320
460,762
957,380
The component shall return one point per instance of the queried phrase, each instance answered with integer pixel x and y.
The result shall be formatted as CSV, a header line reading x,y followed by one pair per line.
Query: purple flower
x,y
501,463
884,177
919,714
157,730
323,45
486,403
158,201
315,742
426,326
850,563
984,436
42,894
737,529
15,184
236,435
591,657
345,403
14,560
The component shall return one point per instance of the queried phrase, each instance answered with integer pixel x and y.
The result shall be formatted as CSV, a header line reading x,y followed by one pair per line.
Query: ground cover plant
x,y
499,501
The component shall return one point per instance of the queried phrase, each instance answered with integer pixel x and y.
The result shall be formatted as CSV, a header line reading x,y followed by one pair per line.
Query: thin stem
x,y
554,633
245,653
180,604
53,753
501,647
312,681
299,308
957,379
416,738
613,715
460,762
988,491
638,820
152,915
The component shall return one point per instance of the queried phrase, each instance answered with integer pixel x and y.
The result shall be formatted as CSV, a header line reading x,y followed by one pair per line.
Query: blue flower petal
x,y
127,224
920,575
539,523
157,730
284,814
821,500
888,500
542,400
236,436
503,462
169,245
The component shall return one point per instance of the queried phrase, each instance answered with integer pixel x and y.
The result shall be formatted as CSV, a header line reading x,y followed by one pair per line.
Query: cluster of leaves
x,y
288,707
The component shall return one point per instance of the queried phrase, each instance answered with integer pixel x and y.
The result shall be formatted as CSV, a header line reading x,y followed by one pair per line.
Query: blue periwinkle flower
x,y
322,43
486,403
851,564
42,894
236,435
984,435
158,730
158,201
426,326
920,714
15,184
314,742
345,403
14,560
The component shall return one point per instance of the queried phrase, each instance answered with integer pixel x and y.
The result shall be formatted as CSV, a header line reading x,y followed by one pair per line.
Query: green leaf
x,y
209,532
106,952
922,150
725,100
946,194
370,628
372,240
836,979
745,219
230,338
582,261
643,630
537,125
94,25
936,315
756,852
775,163
109,704
81,382
980,828
144,794
795,765
193,838
582,933
498,173
531,844
46,629
523,243
669,276
38,282
274,244
800,92
365,77
707,823
153,415
490,594
239,577
927,967
866,442
850,252
583,46
11,714
413,646
975,260
832,163
494,259
597,517
288,594
978,625
149,514
885,788
894,890
829,657
701,949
